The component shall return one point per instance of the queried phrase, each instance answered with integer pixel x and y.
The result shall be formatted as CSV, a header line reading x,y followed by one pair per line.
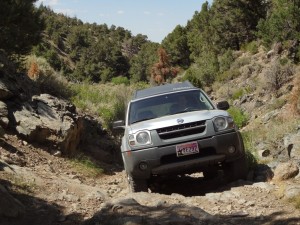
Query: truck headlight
x,y
223,123
140,138
143,138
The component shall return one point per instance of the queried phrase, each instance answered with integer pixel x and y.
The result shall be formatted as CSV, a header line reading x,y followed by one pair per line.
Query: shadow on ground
x,y
130,212
37,211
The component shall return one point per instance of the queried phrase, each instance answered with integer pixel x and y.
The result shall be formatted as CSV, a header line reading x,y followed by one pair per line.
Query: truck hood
x,y
171,120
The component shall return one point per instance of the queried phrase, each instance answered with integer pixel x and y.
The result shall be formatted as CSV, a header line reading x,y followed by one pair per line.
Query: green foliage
x,y
283,61
140,85
87,51
199,32
251,154
20,26
228,75
225,60
208,67
120,80
234,22
192,75
177,47
239,117
240,62
238,93
251,47
277,104
106,101
141,63
282,22
85,165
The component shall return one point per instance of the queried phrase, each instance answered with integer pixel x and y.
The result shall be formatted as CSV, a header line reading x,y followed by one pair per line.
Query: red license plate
x,y
187,149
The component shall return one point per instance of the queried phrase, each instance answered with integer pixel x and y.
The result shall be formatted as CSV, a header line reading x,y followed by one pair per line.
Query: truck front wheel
x,y
137,185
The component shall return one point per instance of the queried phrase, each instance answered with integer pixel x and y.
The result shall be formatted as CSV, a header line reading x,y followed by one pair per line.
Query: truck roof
x,y
166,88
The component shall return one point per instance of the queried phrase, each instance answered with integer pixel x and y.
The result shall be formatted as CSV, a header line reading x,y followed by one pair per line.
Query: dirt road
x,y
54,192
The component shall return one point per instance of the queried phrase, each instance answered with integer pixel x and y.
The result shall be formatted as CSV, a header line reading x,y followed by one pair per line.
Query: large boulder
x,y
285,171
47,119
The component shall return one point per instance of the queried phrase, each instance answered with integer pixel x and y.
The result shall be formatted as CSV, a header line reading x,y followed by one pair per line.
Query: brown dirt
x,y
55,192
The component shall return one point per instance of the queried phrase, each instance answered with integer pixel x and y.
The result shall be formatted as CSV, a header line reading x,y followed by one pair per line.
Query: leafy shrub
x,y
238,93
251,154
106,101
240,62
140,85
283,61
239,117
191,75
228,75
251,47
225,61
120,80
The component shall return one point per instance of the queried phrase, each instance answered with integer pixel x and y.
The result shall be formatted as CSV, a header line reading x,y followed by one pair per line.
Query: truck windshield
x,y
168,104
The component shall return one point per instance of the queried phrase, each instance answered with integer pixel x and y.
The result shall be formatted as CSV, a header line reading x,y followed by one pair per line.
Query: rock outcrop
x,y
48,120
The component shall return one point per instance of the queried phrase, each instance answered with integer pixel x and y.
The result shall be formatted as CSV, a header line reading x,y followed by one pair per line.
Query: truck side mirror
x,y
223,105
119,124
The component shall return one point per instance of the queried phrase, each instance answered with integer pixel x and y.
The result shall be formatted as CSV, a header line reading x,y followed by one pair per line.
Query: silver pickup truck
x,y
176,129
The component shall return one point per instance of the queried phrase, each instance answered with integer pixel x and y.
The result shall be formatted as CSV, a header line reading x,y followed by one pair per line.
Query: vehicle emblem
x,y
180,121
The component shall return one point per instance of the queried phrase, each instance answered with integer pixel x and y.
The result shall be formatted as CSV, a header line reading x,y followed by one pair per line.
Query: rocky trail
x,y
47,189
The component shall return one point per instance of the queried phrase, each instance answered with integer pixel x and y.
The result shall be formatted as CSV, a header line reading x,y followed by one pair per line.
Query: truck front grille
x,y
181,130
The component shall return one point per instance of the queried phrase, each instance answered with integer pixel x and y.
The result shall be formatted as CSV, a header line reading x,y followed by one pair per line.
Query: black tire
x,y
137,185
236,170
210,173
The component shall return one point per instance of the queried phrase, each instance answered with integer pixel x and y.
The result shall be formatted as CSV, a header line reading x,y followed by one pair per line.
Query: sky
x,y
153,18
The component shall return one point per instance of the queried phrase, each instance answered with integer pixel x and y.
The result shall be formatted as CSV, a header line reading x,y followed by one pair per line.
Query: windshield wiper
x,y
149,118
187,110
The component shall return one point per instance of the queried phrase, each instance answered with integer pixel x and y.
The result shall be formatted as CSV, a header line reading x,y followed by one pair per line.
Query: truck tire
x,y
236,170
210,173
137,185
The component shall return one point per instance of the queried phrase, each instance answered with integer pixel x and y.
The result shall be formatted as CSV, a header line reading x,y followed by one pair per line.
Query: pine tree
x,y
20,26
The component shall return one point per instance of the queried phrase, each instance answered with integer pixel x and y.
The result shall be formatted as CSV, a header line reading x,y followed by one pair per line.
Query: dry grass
x,y
20,184
48,80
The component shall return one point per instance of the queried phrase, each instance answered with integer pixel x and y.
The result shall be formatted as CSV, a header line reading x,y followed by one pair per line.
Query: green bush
x,y
251,154
140,85
240,62
228,75
225,61
106,101
191,76
251,47
120,80
239,117
237,94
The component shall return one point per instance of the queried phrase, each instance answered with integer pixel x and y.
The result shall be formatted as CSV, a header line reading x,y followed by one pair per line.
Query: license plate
x,y
187,149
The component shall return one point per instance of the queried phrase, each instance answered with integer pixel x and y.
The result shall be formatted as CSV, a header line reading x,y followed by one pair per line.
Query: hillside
x,y
61,190
61,88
